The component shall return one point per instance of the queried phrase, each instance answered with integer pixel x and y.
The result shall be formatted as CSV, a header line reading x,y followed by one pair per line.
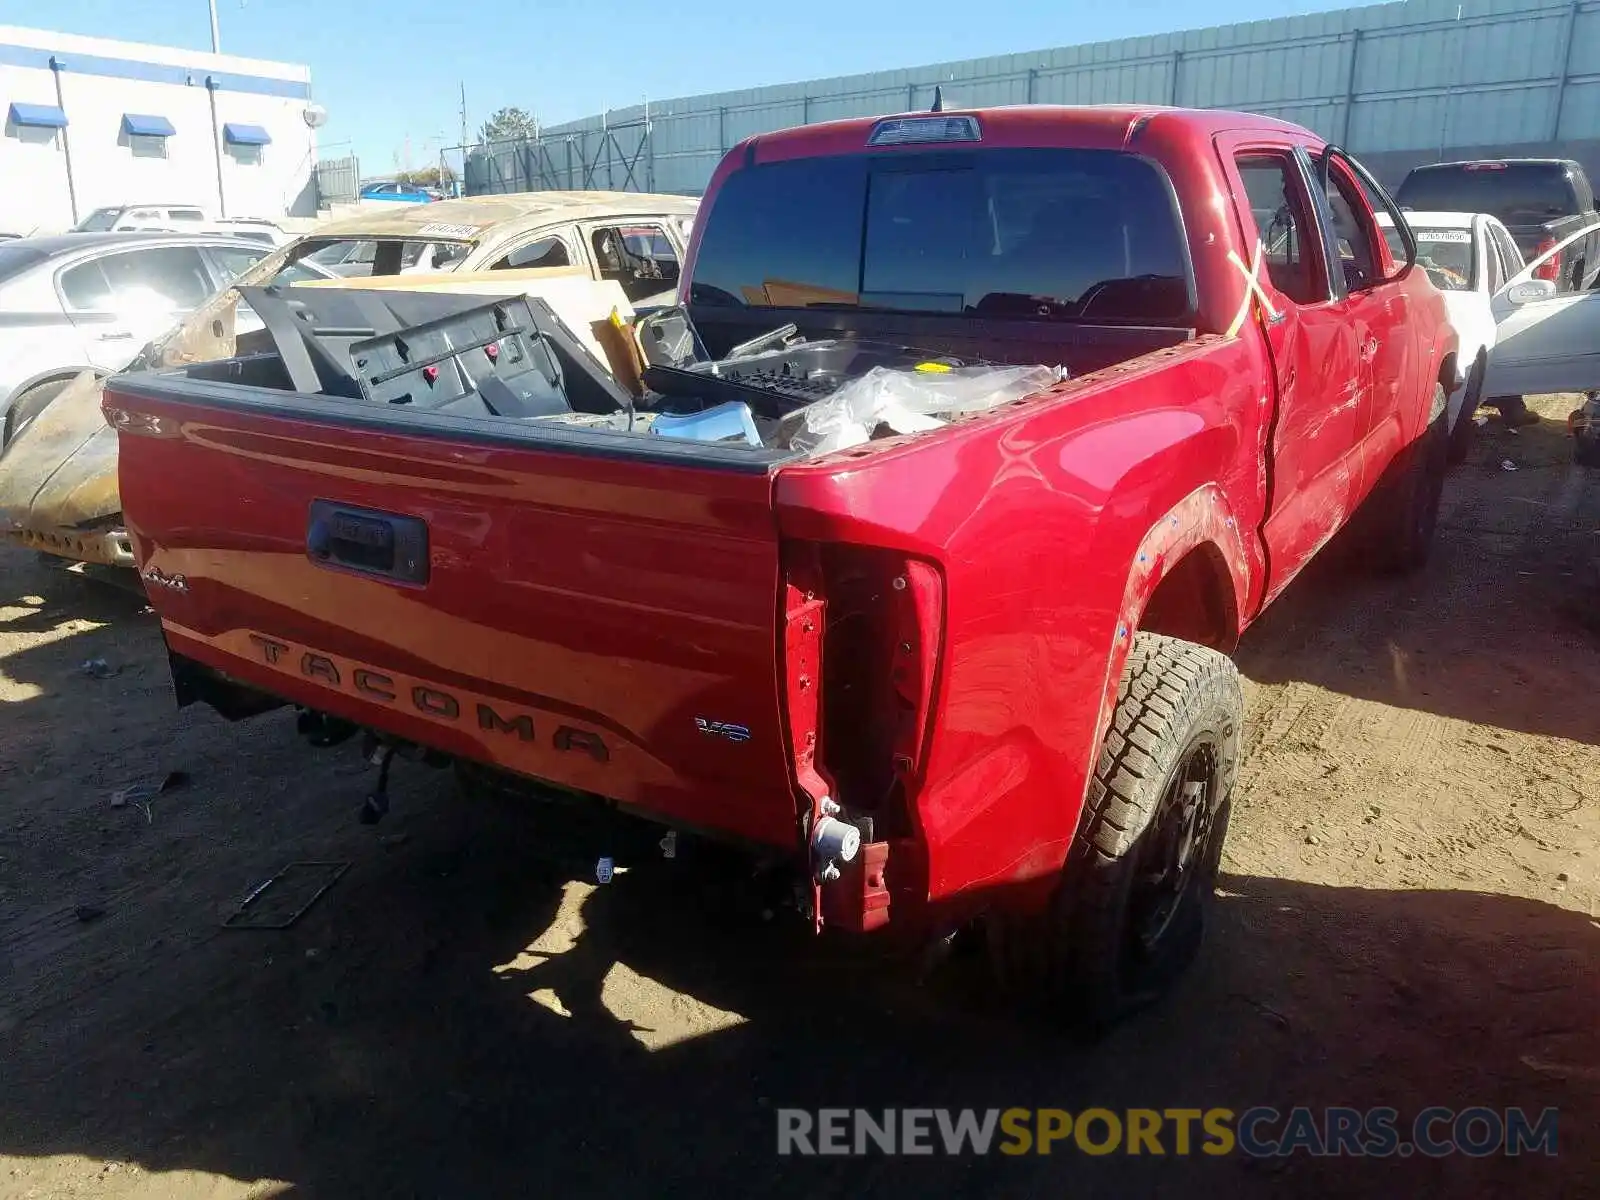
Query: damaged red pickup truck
x,y
963,662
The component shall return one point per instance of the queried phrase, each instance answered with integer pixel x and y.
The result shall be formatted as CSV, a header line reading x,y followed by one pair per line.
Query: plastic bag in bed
x,y
913,401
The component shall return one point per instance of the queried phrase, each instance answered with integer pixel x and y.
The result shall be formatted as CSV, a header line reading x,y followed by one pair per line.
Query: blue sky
x,y
389,72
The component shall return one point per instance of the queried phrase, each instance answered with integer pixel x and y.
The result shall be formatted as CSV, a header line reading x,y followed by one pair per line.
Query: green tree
x,y
429,177
508,124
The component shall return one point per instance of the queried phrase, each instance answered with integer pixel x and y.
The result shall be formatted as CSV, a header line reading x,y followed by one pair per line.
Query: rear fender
x,y
1000,812
1201,519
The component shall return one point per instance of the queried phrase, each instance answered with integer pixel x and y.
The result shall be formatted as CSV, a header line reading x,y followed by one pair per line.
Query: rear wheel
x,y
1138,883
29,405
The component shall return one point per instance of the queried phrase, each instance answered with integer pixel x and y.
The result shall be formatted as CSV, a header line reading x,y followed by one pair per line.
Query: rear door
x,y
1316,334
1544,341
1381,303
121,300
607,624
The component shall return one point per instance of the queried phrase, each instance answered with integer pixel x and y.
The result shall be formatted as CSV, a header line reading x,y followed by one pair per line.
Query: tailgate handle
x,y
383,544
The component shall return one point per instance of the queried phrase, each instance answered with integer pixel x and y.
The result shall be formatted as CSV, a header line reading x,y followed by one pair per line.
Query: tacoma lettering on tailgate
x,y
432,702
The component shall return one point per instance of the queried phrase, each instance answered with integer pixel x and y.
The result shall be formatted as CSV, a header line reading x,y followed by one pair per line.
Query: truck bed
x,y
600,609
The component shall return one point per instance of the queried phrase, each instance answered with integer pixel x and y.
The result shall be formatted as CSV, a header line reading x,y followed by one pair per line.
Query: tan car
x,y
58,473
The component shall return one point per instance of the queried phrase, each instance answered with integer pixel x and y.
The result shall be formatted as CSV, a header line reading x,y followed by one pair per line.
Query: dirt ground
x,y
1407,918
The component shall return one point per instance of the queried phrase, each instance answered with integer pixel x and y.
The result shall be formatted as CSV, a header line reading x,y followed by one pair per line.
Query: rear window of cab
x,y
1030,234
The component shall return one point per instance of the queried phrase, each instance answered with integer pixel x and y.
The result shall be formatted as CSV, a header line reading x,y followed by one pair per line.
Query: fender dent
x,y
1203,516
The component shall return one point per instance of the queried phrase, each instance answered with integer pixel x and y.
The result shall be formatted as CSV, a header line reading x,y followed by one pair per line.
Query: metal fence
x,y
1396,83
616,158
338,181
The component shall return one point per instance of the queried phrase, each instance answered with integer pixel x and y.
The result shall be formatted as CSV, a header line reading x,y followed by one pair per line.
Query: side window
x,y
1278,202
1352,229
84,288
1508,249
546,252
639,257
186,214
1494,261
295,273
173,274
232,262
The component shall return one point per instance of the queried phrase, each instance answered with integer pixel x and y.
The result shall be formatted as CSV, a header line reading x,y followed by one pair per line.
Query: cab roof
x,y
1016,125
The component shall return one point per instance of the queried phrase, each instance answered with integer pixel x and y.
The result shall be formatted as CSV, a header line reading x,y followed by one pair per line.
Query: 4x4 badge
x,y
734,733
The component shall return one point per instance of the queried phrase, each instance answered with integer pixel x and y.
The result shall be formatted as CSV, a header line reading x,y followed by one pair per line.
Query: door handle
x,y
118,336
1369,350
369,542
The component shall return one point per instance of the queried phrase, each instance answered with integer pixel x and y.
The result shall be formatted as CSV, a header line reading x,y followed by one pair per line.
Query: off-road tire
x,y
1461,436
1080,963
28,406
1403,510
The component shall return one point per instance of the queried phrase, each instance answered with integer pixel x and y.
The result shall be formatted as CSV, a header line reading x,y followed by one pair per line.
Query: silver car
x,y
90,302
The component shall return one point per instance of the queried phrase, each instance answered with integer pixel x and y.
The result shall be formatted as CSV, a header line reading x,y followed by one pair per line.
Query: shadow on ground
x,y
1502,627
408,1058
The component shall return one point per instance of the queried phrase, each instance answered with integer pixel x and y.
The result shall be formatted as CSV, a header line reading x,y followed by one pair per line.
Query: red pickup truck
x,y
970,667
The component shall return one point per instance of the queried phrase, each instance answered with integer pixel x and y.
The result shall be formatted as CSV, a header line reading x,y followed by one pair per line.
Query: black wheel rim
x,y
1174,852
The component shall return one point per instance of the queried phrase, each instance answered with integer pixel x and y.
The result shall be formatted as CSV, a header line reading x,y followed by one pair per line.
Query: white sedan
x,y
1469,257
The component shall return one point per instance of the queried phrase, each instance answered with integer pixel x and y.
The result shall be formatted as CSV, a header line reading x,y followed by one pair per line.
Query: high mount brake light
x,y
907,131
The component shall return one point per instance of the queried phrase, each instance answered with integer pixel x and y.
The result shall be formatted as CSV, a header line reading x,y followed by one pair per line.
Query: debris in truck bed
x,y
913,401
469,357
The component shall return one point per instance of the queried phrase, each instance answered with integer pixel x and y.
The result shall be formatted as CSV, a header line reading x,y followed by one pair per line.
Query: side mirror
x,y
1530,291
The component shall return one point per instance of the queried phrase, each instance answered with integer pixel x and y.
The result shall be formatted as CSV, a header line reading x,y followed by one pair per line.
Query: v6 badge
x,y
723,729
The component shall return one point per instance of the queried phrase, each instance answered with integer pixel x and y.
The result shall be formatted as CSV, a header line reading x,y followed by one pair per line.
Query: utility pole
x,y
216,37
463,116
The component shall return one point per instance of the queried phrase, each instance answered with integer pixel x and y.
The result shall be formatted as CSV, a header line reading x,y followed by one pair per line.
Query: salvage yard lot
x,y
1406,918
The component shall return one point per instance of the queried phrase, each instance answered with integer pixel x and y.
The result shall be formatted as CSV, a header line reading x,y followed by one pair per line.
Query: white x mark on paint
x,y
1252,287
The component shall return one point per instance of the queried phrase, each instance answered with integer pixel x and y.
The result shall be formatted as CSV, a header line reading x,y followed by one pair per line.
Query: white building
x,y
91,122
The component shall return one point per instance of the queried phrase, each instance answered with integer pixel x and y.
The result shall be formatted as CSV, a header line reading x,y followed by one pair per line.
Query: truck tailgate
x,y
603,624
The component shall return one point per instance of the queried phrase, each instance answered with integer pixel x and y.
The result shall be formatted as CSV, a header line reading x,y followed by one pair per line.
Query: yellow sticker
x,y
934,367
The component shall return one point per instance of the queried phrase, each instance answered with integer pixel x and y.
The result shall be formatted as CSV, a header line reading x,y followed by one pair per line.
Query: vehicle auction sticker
x,y
1443,235
441,229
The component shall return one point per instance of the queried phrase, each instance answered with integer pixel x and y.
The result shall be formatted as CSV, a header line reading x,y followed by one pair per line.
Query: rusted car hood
x,y
61,471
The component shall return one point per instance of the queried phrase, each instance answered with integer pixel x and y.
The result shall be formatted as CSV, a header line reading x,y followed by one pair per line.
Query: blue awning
x,y
145,125
246,135
39,116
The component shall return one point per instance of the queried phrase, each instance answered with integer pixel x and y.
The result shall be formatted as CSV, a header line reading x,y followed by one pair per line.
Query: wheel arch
x,y
1191,571
53,375
1195,601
